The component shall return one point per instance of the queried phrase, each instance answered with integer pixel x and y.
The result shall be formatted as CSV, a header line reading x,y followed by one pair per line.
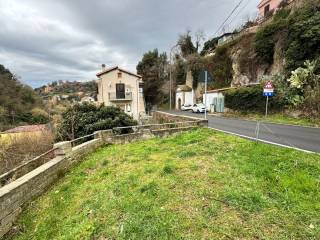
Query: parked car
x,y
199,108
186,107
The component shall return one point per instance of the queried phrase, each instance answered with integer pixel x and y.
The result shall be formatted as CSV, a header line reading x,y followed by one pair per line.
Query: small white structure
x,y
215,99
184,96
226,37
88,99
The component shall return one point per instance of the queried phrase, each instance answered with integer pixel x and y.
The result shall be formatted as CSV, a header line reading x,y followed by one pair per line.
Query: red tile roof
x,y
27,128
117,68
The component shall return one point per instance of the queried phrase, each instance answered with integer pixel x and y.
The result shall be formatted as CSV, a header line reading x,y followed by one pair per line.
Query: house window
x,y
266,9
119,74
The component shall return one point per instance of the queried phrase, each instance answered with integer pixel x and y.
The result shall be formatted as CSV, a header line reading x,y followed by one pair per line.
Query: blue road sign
x,y
268,94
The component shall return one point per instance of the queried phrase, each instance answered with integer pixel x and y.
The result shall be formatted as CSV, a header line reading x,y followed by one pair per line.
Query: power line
x,y
232,12
240,11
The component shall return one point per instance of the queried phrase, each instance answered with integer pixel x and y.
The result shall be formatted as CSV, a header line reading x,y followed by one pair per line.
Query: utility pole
x,y
170,67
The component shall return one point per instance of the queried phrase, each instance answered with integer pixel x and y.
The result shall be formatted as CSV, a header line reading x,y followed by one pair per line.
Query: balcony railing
x,y
127,96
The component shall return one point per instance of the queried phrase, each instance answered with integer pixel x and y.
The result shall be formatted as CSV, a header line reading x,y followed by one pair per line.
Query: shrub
x,y
305,81
300,31
268,35
39,116
220,68
84,119
249,99
303,42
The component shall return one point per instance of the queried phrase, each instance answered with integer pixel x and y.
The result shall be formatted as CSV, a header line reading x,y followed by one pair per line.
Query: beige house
x,y
123,89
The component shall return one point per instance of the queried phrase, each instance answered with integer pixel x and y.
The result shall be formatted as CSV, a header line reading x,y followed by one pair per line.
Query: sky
x,y
47,40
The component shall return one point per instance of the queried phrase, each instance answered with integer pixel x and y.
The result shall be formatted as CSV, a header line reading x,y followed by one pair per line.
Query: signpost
x,y
205,94
268,91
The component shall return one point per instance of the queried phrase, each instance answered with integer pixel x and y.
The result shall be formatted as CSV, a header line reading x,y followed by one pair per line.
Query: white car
x,y
199,108
186,107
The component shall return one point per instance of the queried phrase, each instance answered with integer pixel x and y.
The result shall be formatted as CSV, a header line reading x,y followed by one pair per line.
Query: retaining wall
x,y
21,191
164,117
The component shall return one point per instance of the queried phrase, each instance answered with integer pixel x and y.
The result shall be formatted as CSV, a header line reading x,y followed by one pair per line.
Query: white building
x,y
184,96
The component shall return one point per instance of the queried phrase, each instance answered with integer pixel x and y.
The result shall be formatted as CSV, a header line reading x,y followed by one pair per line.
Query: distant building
x,y
226,37
48,89
185,94
123,89
267,8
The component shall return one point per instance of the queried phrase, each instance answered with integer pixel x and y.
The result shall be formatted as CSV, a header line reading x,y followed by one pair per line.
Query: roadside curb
x,y
270,122
264,141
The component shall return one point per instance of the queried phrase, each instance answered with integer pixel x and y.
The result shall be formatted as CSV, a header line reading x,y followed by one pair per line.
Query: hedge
x,y
250,99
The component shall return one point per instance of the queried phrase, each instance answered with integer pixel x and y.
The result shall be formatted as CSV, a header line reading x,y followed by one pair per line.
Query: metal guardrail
x,y
26,167
113,96
159,126
80,140
47,156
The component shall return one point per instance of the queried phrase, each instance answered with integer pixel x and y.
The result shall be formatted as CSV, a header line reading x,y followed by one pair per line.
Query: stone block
x,y
62,148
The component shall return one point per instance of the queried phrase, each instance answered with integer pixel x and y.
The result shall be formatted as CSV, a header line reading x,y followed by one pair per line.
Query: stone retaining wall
x,y
21,191
164,117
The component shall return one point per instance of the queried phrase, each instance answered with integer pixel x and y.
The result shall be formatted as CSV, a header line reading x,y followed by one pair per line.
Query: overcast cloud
x,y
46,40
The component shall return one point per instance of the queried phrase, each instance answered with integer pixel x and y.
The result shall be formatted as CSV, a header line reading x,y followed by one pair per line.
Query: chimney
x,y
103,67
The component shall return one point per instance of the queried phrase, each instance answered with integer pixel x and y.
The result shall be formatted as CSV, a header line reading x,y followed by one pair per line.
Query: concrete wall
x,y
163,117
16,194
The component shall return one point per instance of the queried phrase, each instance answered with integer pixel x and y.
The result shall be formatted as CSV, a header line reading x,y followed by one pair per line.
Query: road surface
x,y
303,138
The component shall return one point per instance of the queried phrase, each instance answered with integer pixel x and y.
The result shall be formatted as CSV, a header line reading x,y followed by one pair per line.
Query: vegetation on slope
x,y
299,31
74,90
18,102
196,185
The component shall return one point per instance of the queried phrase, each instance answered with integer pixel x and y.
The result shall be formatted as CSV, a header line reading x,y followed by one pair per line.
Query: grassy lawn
x,y
196,185
276,118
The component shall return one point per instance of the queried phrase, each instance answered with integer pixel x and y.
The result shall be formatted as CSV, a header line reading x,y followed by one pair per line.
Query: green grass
x,y
276,118
196,185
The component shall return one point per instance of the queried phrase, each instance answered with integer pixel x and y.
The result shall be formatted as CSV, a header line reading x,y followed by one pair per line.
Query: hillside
x,y
284,48
73,89
18,102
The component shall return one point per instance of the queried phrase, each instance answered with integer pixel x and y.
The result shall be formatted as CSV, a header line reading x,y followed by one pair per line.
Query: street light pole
x,y
170,80
170,72
205,95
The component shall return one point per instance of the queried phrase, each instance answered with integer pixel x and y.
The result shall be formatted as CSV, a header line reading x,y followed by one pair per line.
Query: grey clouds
x,y
45,40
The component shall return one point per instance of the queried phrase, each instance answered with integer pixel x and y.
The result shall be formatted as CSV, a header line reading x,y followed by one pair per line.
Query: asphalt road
x,y
305,138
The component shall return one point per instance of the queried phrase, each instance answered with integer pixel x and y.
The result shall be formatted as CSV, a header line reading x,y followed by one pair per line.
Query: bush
x,y
249,99
39,116
300,31
268,35
220,68
307,82
303,42
84,119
